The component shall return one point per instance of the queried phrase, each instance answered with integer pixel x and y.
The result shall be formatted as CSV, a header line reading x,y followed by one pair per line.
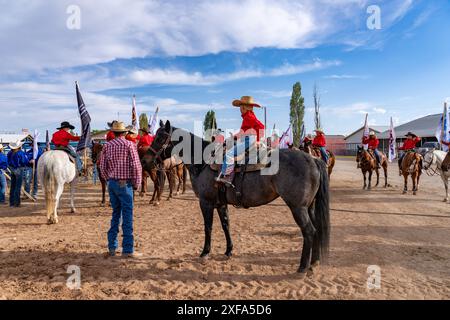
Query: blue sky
x,y
188,58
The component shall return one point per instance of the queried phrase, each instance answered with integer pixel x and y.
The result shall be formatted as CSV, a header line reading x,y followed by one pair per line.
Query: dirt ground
x,y
407,236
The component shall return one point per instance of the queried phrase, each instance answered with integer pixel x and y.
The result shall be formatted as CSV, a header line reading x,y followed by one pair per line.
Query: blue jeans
x,y
3,186
377,155
27,174
95,173
237,150
323,152
16,186
121,199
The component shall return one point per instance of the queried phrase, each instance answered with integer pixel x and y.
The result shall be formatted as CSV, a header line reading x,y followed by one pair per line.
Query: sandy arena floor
x,y
407,236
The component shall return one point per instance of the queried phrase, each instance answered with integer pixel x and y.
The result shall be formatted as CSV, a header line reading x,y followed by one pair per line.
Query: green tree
x,y
143,121
209,124
297,112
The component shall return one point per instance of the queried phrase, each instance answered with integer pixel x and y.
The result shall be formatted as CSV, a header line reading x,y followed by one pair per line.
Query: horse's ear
x,y
161,123
167,126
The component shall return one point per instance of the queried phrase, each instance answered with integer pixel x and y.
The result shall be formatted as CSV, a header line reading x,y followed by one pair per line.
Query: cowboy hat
x,y
2,146
16,145
246,101
144,129
372,133
319,130
411,134
110,124
66,124
119,127
132,130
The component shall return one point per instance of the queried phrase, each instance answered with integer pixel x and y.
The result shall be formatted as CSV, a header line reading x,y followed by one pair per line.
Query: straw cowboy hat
x,y
119,127
1,146
16,145
132,130
66,124
319,130
246,101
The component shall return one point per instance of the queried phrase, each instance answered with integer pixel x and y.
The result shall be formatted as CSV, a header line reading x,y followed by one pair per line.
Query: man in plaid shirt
x,y
120,166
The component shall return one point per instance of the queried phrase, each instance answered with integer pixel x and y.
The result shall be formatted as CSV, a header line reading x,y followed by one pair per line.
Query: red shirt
x,y
319,141
130,138
372,142
145,141
251,125
120,160
110,136
410,144
62,138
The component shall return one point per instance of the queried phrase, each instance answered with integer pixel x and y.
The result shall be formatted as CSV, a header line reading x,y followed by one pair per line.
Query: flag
x,y
85,139
134,113
286,139
366,130
442,133
35,144
302,133
153,122
47,140
392,143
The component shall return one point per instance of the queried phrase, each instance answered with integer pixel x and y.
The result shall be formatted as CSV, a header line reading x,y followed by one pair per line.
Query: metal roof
x,y
377,129
13,137
424,127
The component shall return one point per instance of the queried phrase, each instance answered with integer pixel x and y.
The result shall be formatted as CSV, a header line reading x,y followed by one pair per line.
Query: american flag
x,y
35,144
85,139
366,130
392,138
442,133
134,113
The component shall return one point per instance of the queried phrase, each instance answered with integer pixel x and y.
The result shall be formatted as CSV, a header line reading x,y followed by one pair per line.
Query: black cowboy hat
x,y
66,124
411,134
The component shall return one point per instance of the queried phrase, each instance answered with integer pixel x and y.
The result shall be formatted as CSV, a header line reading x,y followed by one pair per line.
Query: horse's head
x,y
161,148
359,154
97,148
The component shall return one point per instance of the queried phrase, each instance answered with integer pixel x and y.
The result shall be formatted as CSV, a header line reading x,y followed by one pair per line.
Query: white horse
x,y
435,158
55,170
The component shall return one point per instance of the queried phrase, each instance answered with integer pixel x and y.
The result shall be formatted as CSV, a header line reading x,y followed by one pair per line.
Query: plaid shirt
x,y
120,161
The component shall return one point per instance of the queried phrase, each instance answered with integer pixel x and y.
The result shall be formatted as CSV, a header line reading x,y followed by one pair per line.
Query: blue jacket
x,y
30,156
17,160
3,161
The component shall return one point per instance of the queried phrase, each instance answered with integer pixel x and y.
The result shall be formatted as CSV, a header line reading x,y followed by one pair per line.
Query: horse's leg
x,y
416,178
370,180
377,171
72,191
184,175
225,221
59,192
405,188
207,212
171,178
365,184
308,231
180,178
385,169
445,181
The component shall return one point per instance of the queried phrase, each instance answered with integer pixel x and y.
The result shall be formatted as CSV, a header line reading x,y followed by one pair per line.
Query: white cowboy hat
x,y
372,133
16,145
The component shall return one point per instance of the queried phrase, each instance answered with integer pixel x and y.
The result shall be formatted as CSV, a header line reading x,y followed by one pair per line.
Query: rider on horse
x,y
409,145
446,163
132,135
249,134
146,138
110,135
373,143
320,143
61,140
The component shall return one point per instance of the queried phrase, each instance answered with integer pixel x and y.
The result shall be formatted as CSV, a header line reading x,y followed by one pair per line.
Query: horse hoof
x,y
156,204
445,200
414,193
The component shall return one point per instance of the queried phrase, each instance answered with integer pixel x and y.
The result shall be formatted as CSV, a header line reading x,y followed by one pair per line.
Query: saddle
x,y
68,152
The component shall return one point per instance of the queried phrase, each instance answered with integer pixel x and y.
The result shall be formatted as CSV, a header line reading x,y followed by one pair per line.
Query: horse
x,y
55,169
368,163
170,168
301,181
436,157
315,152
411,165
96,152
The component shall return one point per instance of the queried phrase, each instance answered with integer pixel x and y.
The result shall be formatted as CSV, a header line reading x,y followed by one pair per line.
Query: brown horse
x,y
157,172
411,165
367,162
96,152
315,152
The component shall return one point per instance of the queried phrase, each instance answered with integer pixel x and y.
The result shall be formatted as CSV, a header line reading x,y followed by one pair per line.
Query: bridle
x,y
429,164
163,148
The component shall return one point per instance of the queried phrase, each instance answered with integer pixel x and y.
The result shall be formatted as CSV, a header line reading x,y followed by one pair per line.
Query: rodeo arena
x,y
334,217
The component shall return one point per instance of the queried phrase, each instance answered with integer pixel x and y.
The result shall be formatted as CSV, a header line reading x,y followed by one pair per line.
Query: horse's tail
x,y
49,188
322,211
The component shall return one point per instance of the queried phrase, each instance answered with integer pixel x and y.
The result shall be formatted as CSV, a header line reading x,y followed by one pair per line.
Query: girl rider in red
x,y
146,138
408,145
321,143
61,140
373,143
250,133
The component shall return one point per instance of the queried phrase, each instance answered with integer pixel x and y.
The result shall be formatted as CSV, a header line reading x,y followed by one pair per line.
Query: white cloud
x,y
34,34
344,76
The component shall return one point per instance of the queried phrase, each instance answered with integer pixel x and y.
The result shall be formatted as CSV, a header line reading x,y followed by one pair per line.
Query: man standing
x,y
3,167
120,166
17,161
29,172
